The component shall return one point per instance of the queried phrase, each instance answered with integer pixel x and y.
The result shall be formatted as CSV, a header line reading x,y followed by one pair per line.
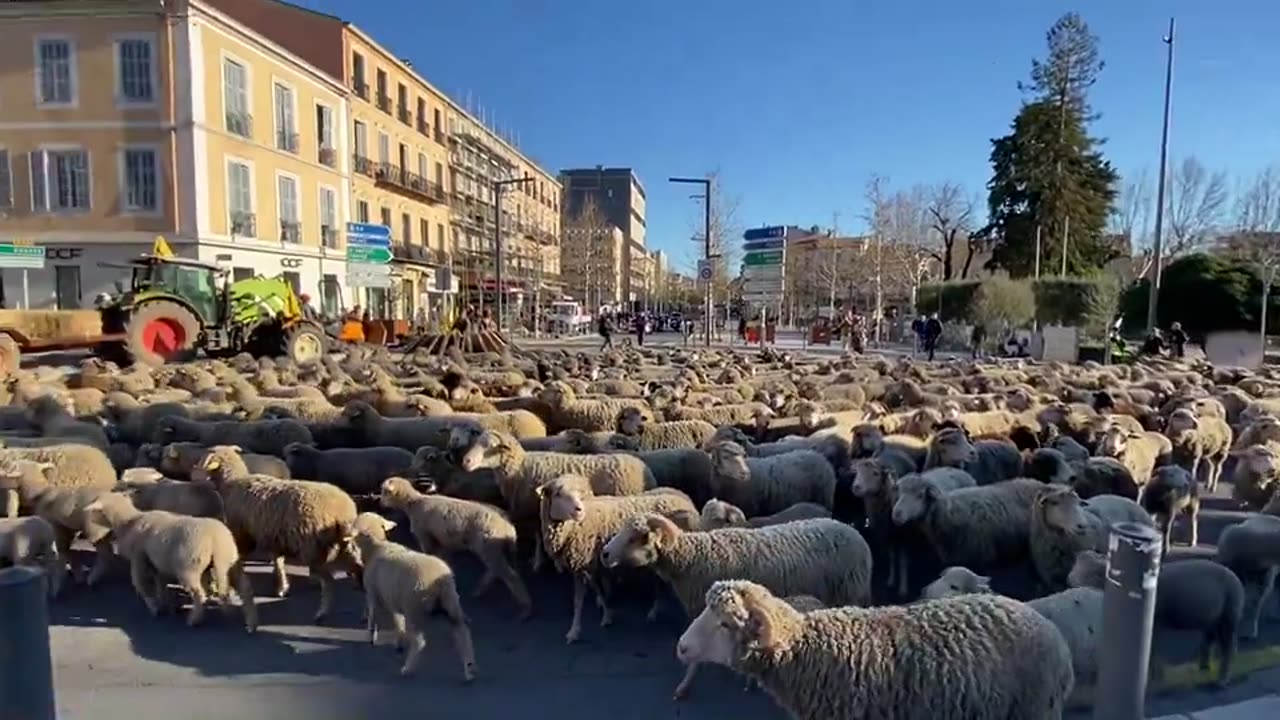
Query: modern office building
x,y
619,199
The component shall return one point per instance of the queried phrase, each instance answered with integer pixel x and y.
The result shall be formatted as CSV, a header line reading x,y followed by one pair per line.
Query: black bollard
x,y
1128,612
26,670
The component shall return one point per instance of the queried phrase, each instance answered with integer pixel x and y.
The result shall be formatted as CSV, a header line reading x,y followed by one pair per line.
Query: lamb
x,y
649,435
409,586
452,524
718,514
267,437
1191,594
70,465
177,460
1141,452
53,419
173,547
767,485
306,521
61,506
874,481
988,461
984,657
1172,492
149,490
576,524
589,415
32,541
1062,525
358,471
978,527
1252,550
1199,444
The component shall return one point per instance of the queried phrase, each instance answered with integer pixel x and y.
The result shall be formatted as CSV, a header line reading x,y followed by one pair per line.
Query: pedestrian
x,y
932,332
606,332
917,333
858,333
977,338
640,321
1178,338
742,326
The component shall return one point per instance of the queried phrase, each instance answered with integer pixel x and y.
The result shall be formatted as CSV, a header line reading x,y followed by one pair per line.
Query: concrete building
x,y
619,199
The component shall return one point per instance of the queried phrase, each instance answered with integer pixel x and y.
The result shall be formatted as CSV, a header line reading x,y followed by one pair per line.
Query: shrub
x,y
1205,293
951,300
999,302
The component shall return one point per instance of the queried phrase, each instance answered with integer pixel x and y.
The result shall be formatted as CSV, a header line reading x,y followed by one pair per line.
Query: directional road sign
x,y
765,233
363,275
22,257
764,264
368,254
368,234
753,245
763,257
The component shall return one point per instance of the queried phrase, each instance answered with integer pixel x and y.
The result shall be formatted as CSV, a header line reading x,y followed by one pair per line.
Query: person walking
x,y
742,326
1178,339
917,334
640,322
977,338
932,331
606,331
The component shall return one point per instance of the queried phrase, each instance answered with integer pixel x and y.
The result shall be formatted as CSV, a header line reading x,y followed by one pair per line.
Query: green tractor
x,y
175,307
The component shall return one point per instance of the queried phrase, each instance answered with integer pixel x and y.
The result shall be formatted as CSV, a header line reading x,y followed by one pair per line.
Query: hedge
x,y
1085,302
1204,293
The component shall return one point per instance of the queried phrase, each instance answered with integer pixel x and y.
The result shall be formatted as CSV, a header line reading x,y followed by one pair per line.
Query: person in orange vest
x,y
352,328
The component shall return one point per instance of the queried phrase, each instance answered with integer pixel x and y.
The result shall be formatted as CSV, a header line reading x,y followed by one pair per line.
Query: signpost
x,y
22,255
764,267
368,255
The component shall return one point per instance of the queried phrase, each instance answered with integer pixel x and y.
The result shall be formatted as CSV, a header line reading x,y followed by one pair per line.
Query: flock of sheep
x,y
831,528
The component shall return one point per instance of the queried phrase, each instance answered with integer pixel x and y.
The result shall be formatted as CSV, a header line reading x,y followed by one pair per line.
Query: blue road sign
x,y
763,245
765,233
368,234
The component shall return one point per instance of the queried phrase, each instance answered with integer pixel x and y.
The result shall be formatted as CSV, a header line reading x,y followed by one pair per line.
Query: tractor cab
x,y
190,280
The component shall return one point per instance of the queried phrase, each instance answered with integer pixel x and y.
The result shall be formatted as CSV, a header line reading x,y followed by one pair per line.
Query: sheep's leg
x,y
904,573
656,608
282,577
194,585
370,617
142,585
483,586
606,613
62,540
579,596
1193,517
249,605
324,574
416,642
536,566
1226,641
160,591
503,570
891,559
460,630
101,561
1264,593
682,690
10,504
397,626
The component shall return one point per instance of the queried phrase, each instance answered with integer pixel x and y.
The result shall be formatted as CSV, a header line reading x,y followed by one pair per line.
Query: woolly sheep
x,y
1199,444
62,507
309,522
874,483
767,485
1062,525
830,445
978,527
988,461
31,541
752,414
983,657
912,496
177,460
359,471
267,437
409,586
149,490
868,440
1141,452
576,524
688,470
54,419
1252,549
649,435
1049,466
438,467
173,547
1255,475
70,465
1173,492
590,415
452,524
718,513
1103,476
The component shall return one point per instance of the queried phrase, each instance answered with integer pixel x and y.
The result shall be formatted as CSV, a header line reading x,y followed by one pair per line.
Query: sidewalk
x,y
1267,706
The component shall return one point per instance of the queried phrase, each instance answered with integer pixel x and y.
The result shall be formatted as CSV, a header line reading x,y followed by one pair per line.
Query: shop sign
x,y
291,263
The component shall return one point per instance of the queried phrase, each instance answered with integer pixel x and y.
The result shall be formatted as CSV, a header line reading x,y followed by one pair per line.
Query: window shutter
x,y
39,181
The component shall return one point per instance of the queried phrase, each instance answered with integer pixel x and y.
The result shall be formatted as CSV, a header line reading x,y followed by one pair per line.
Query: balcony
x,y
243,224
329,236
404,115
397,178
423,127
328,156
287,141
360,88
240,123
384,103
362,165
290,231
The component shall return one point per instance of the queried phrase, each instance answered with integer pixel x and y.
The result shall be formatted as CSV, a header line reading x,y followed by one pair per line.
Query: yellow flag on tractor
x,y
160,248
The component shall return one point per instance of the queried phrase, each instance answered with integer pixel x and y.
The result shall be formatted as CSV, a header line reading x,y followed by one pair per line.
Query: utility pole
x,y
498,186
1154,294
708,308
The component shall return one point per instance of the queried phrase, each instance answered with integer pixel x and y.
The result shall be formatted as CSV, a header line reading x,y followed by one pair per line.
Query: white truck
x,y
568,318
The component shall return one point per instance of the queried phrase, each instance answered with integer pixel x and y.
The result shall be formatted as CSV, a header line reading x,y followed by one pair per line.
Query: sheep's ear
x,y
759,624
540,491
983,582
235,449
660,528
45,466
388,525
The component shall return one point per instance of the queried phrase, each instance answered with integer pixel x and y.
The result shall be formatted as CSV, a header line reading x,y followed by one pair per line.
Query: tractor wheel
x,y
162,331
304,343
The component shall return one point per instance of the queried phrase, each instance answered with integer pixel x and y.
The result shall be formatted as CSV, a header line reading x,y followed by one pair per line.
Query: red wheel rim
x,y
164,336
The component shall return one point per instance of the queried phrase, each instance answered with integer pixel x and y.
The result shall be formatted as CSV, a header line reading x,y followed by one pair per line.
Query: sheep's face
x,y
1061,509
867,440
637,544
956,581
578,441
913,498
562,500
1182,422
923,422
1114,441
762,416
1088,570
719,514
952,449
484,452
618,441
730,462
395,492
869,478
1265,428
951,410
357,413
1259,460
631,421
875,411
555,393
710,638
809,414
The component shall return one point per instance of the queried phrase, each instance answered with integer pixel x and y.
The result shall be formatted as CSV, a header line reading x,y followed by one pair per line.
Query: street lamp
x,y
706,244
1158,250
498,185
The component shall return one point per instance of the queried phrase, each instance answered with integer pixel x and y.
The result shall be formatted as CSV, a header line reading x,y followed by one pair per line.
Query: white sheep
x,y
648,435
62,506
32,541
767,485
1199,445
1062,526
718,513
150,490
1141,452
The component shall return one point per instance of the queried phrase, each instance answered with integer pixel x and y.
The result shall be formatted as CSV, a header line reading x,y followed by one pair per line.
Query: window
x,y
440,236
384,100
66,286
235,97
406,228
362,140
423,165
386,217
60,180
55,72
357,75
362,211
384,148
439,175
324,131
424,232
141,180
436,124
404,158
240,199
330,293
422,115
6,184
241,273
287,197
286,127
135,64
295,281
328,217
402,101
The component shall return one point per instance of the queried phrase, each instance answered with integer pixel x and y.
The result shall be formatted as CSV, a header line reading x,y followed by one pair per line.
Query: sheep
x,y
61,506
149,490
266,437
1172,492
649,435
297,519
1199,444
989,424
718,513
576,524
590,415
70,465
874,481
868,440
831,446
988,461
173,547
751,414
571,440
1192,594
1255,476
1062,525
767,485
54,419
32,541
409,586
451,524
688,470
1252,549
359,471
984,657
1141,452
177,460
437,466
1103,476
977,527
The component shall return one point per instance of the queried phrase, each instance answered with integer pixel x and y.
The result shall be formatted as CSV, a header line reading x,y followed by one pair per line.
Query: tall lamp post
x,y
706,246
498,185
1158,250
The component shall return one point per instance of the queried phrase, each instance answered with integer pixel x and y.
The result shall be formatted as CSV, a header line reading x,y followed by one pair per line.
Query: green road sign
x,y
25,257
368,254
763,257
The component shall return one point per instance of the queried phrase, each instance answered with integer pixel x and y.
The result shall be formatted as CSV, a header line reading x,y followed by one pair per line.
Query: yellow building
x,y
123,120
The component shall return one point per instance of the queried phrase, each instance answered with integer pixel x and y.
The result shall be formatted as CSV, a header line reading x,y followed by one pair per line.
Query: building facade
x,y
616,197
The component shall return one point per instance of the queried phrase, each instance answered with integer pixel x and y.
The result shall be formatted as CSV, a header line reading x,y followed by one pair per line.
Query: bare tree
x,y
1131,217
1197,199
586,253
951,217
1256,235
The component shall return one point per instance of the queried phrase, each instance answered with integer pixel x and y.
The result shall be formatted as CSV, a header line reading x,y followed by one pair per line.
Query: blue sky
x,y
798,103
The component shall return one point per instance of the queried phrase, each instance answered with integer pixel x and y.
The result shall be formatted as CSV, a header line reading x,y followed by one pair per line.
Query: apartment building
x,y
123,120
617,195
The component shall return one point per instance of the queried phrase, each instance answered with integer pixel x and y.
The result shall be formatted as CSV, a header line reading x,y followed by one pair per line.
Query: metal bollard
x,y
1128,612
26,669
